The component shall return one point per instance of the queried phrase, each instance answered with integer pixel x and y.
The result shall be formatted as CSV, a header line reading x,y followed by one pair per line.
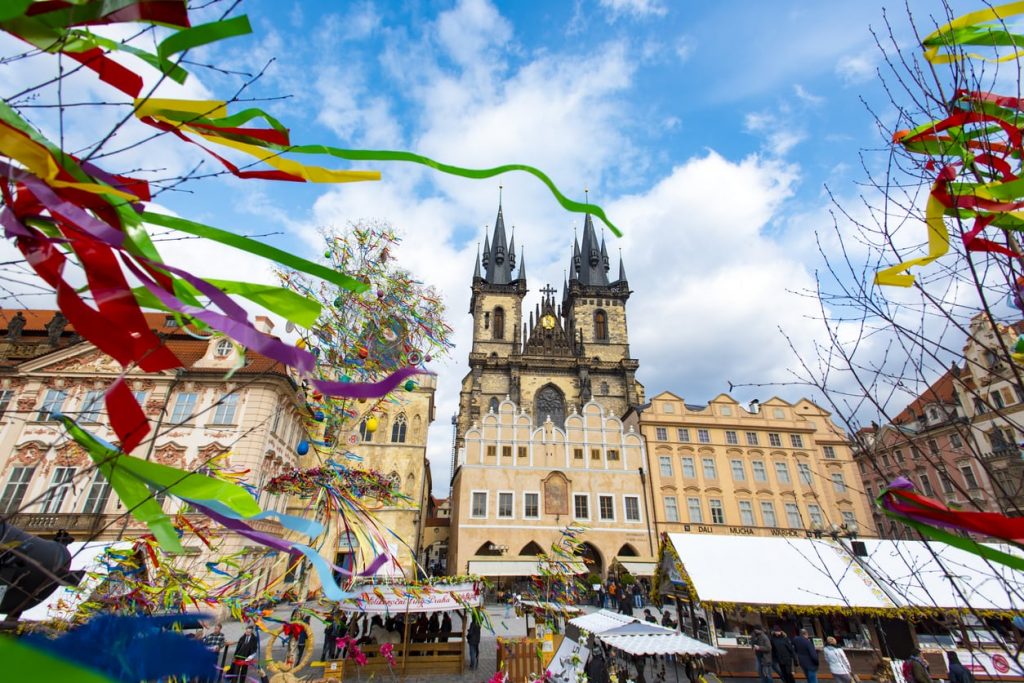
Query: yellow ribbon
x,y
989,14
217,109
938,245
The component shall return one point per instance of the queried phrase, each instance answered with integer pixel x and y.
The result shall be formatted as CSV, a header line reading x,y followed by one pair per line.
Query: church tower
x,y
553,360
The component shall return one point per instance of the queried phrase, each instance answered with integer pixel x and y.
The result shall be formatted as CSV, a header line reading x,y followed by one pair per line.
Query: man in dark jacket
x,y
783,654
806,655
245,654
763,654
473,640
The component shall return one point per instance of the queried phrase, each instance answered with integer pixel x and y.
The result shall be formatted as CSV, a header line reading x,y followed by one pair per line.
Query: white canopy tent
x,y
641,638
399,598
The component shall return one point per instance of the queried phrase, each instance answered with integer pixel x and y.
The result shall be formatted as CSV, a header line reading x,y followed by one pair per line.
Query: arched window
x,y
364,433
600,326
549,402
531,549
499,323
628,551
493,407
398,429
224,348
604,388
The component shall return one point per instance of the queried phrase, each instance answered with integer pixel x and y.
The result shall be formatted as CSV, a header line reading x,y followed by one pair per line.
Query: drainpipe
x,y
647,514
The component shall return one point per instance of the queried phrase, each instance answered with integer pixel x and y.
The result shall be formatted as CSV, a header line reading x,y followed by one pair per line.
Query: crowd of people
x,y
616,594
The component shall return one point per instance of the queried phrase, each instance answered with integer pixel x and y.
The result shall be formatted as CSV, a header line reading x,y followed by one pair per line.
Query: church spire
x,y
522,265
476,266
622,268
590,257
499,266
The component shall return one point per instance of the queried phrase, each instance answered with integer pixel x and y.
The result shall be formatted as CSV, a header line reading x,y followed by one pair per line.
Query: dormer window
x,y
223,348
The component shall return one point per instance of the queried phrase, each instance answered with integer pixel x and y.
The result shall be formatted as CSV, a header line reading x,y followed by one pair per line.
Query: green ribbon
x,y
204,34
962,542
26,663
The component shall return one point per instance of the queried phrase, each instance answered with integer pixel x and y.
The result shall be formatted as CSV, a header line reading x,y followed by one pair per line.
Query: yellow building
x,y
49,483
772,468
518,485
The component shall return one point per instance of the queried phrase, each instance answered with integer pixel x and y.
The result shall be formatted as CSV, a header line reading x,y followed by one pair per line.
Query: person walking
x,y
762,646
473,640
245,655
918,669
214,640
638,595
806,655
783,654
958,673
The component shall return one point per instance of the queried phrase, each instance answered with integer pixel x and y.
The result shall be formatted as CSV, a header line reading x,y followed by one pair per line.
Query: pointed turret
x,y
512,251
476,266
487,252
499,268
591,257
575,264
522,265
622,269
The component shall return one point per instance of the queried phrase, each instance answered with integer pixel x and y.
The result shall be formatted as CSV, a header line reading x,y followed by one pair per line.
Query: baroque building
x,y
768,469
538,440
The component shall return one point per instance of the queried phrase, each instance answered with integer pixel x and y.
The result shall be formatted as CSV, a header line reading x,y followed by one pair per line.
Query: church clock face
x,y
548,322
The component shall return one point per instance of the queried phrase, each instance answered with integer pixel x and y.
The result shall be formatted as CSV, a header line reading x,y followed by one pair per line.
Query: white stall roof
x,y
600,621
400,598
63,603
668,643
909,570
790,571
638,568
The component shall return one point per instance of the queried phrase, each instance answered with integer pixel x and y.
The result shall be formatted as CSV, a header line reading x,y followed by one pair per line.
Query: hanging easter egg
x,y
352,439
301,343
318,416
302,448
380,293
371,424
415,358
390,335
338,302
316,351
327,254
362,400
346,378
426,358
409,385
317,396
363,352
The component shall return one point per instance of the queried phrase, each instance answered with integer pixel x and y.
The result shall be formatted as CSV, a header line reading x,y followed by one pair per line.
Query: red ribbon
x,y
985,523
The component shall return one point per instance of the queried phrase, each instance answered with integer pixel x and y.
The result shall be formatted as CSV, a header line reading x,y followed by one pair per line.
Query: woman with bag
x,y
838,664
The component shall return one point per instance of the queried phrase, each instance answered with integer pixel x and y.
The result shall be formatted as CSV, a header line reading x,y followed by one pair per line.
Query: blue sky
x,y
707,131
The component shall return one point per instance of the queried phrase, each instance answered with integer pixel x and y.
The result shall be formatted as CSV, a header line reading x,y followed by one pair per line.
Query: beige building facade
x,y
519,484
769,469
48,483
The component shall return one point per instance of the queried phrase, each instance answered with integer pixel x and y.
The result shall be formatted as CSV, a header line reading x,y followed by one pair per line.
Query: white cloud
x,y
684,48
779,137
807,97
858,68
634,8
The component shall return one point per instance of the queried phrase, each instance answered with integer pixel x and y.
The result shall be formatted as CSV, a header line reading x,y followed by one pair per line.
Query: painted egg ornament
x,y
372,424
380,293
390,335
363,352
426,358
409,385
318,416
415,358
302,448
301,344
338,302
316,351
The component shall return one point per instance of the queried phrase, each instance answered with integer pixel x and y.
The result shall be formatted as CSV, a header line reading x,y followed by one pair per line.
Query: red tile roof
x,y
942,391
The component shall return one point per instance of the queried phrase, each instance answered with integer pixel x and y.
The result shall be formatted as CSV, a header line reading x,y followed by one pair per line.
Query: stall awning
x,y
790,571
600,621
668,643
514,568
636,567
397,598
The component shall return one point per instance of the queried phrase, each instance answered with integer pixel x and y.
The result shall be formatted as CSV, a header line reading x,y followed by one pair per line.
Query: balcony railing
x,y
1007,451
83,526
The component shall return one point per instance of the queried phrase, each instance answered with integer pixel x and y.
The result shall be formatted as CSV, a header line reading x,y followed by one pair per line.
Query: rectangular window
x,y
747,513
531,506
933,446
684,435
613,454
506,451
861,467
505,504
595,453
710,472
805,472
726,410
829,451
276,422
140,397
768,513
703,436
492,451
738,472
885,459
996,399
671,510
796,440
693,509
898,455
793,516
606,508
225,412
632,508
479,508
577,453
778,413
689,469
53,402
92,406
665,465
969,478
717,511
849,519
661,433
59,486
752,438
521,451
926,485
5,401
14,492
782,472
946,482
838,483
731,437
99,493
760,473
814,512
774,439
955,441
184,408
581,506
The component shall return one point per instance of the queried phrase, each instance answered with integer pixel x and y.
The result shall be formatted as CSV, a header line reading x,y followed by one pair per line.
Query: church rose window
x,y
550,403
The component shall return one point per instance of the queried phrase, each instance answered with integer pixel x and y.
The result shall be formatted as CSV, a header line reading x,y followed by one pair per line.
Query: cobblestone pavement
x,y
510,626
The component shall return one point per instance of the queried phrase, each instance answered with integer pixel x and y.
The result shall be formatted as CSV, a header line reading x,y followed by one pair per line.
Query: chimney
x,y
264,324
